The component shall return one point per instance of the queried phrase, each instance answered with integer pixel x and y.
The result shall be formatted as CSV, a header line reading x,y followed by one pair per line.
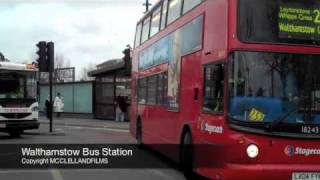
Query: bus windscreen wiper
x,y
274,124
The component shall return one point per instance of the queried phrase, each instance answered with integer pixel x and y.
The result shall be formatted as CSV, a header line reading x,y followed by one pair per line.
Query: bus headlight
x,y
34,109
252,151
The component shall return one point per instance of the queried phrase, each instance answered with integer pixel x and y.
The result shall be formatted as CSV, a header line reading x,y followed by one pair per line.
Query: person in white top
x,y
58,104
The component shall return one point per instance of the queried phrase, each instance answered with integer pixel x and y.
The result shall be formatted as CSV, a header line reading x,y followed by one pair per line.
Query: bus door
x,y
190,91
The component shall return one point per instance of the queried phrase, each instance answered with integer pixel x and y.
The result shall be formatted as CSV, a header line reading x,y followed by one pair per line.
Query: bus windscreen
x,y
17,85
279,21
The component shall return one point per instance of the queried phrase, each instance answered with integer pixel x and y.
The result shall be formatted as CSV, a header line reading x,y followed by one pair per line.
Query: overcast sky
x,y
84,31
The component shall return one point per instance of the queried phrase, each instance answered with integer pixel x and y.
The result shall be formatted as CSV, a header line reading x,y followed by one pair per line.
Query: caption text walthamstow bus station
x,y
160,89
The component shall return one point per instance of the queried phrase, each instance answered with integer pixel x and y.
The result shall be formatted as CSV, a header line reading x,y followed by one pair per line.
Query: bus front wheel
x,y
186,155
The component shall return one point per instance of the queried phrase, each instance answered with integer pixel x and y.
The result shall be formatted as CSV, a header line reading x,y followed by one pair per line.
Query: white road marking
x,y
49,170
168,174
93,128
96,128
161,173
56,174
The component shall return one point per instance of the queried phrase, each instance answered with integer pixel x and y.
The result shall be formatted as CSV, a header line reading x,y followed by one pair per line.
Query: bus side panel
x,y
215,48
215,41
190,93
133,108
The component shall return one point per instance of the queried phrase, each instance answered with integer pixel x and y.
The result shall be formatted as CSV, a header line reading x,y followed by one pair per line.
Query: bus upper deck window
x,y
174,11
138,35
189,4
155,21
164,15
145,30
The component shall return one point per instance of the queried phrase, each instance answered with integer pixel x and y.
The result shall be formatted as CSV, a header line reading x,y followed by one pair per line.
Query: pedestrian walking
x,y
120,109
58,105
48,107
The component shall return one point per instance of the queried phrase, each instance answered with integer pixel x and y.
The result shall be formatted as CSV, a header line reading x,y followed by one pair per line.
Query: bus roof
x,y
17,67
154,5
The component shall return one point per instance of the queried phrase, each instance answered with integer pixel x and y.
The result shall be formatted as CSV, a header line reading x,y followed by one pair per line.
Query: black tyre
x,y
139,132
186,156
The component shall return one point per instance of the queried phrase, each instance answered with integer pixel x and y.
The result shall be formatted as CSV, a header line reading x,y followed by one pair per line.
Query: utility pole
x,y
50,56
147,4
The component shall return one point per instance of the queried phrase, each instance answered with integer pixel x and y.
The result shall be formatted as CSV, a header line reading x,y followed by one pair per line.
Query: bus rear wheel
x,y
139,132
186,156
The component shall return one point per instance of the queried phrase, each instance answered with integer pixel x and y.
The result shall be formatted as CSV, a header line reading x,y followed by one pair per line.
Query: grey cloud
x,y
83,32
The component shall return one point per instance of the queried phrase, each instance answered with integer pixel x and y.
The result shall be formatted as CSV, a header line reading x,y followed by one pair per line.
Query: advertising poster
x,y
174,71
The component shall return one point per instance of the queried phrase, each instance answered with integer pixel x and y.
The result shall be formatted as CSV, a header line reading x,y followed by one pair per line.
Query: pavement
x,y
87,122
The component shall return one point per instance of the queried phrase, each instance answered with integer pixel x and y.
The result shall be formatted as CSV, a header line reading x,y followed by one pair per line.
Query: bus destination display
x,y
299,22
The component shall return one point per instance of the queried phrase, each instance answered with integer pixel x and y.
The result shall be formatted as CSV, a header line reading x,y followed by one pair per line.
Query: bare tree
x,y
84,72
3,58
60,62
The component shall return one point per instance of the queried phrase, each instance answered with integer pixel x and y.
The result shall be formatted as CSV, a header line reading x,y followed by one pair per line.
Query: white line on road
x,y
56,174
20,171
13,171
161,173
96,128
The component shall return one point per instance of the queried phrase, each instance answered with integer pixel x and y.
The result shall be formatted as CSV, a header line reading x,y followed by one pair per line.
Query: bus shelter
x,y
112,79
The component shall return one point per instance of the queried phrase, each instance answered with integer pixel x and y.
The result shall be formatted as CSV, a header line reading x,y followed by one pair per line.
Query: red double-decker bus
x,y
238,76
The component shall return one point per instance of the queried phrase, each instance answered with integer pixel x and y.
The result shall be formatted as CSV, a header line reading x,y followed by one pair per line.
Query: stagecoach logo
x,y
291,150
205,127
